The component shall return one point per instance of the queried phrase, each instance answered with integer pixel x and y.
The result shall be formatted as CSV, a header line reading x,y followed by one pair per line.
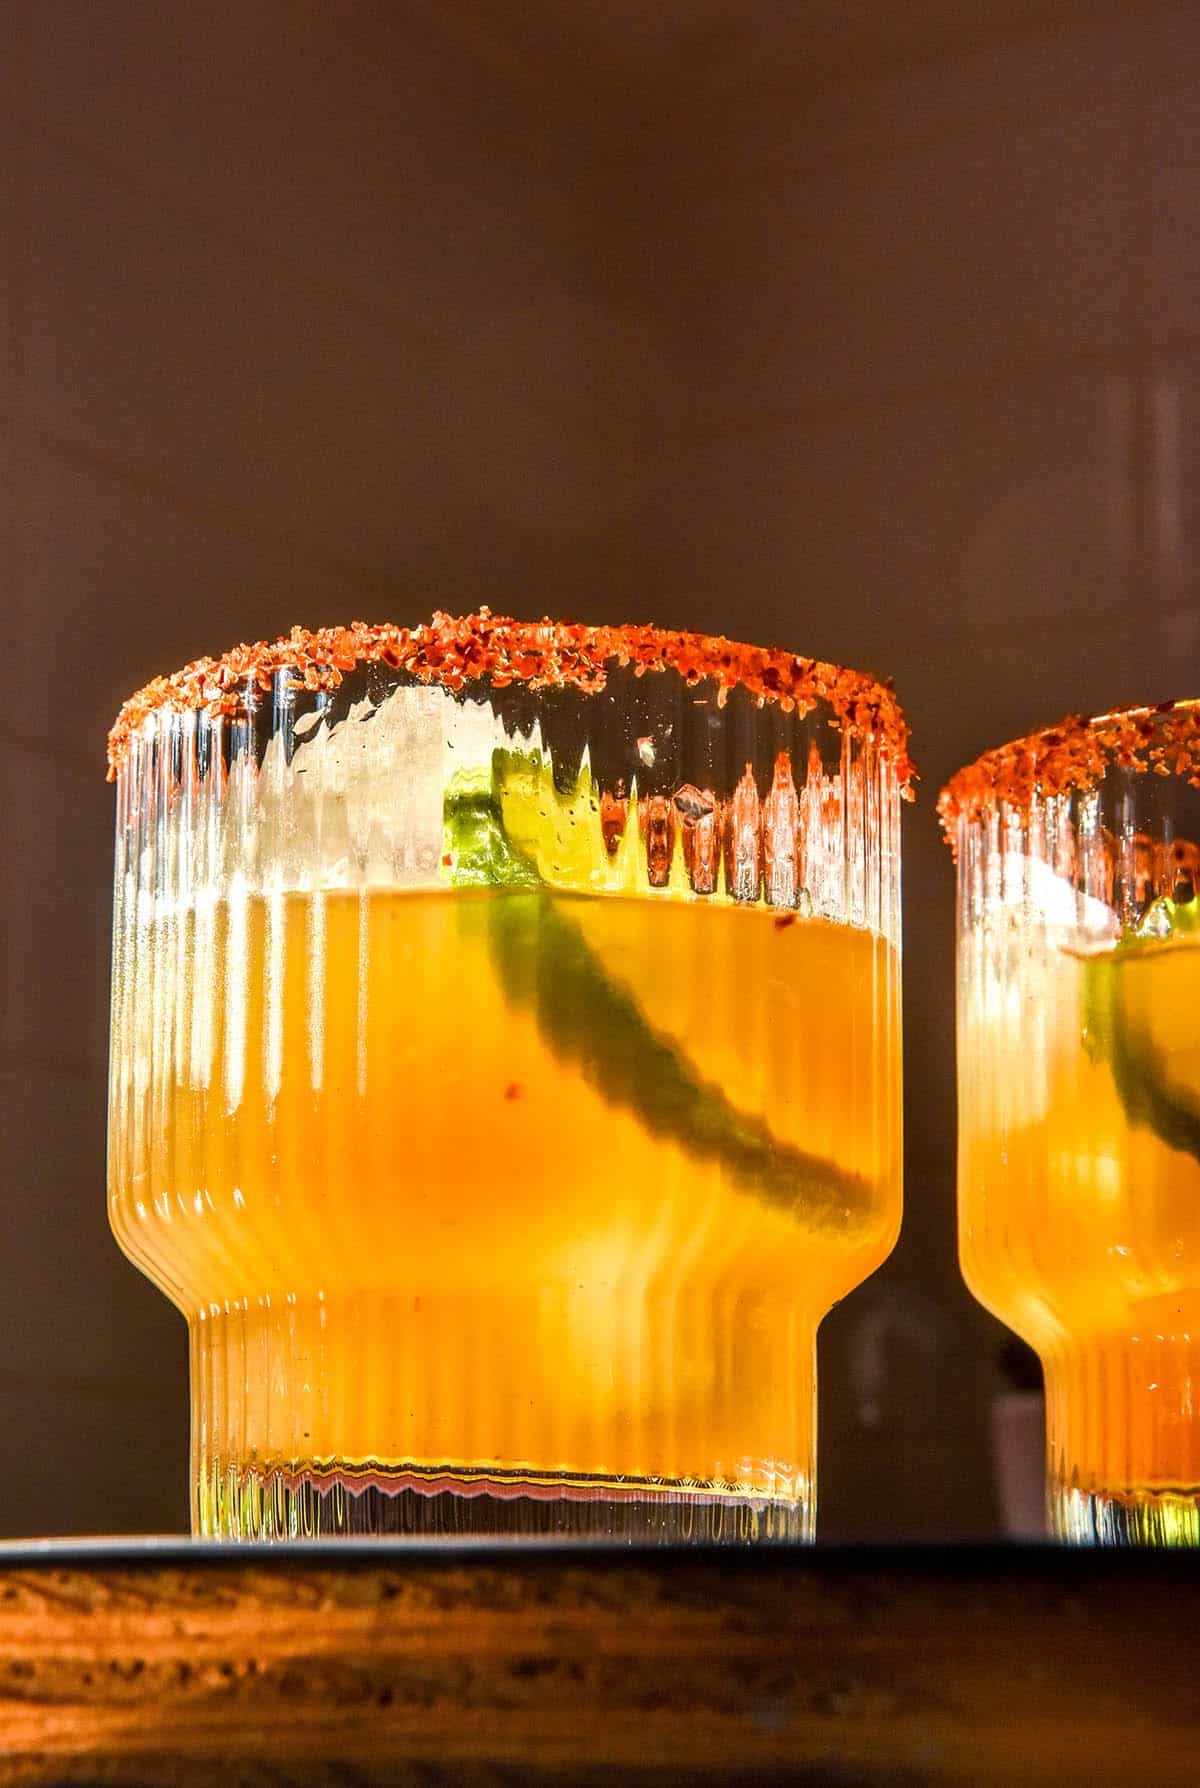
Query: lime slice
x,y
544,964
478,853
1142,1016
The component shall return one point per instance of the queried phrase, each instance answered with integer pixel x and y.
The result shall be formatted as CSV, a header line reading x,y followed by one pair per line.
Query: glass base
x,y
403,1502
1127,1518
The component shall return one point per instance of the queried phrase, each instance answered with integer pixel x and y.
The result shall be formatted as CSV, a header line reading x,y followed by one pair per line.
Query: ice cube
x,y
360,803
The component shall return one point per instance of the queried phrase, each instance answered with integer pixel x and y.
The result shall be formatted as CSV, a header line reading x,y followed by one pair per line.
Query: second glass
x,y
505,1070
1079,1099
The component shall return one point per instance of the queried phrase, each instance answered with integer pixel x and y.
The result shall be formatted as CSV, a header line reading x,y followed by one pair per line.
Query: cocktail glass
x,y
1079,1099
505,1069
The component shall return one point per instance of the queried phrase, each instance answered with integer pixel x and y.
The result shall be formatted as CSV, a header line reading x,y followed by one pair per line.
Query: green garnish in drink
x,y
545,964
1138,1018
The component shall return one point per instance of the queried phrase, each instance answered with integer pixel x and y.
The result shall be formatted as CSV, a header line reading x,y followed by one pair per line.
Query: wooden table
x,y
162,1662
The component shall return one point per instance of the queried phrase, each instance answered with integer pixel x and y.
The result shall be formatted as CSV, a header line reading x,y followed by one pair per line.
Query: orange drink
x,y
1097,1196
502,1176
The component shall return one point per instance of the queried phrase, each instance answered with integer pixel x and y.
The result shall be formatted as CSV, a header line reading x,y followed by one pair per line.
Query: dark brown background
x,y
870,331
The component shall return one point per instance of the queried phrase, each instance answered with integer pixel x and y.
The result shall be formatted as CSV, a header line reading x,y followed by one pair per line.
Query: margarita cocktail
x,y
505,1070
1079,1100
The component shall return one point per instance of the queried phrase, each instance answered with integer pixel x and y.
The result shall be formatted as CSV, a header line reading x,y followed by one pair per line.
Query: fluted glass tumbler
x,y
505,1070
1079,1100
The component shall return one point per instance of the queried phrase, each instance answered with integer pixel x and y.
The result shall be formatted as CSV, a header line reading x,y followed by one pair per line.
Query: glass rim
x,y
457,650
1073,755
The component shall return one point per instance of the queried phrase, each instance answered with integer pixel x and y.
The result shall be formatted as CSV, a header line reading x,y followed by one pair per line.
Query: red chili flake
x,y
447,859
784,920
344,650
514,1090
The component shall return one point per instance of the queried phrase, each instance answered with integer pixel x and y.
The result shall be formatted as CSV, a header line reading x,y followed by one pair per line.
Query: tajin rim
x,y
1073,755
456,650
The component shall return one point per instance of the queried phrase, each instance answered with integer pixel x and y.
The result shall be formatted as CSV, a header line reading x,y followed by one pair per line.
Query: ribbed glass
x,y
503,1086
1079,1125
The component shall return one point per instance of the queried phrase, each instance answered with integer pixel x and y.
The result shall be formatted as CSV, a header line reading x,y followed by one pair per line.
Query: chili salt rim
x,y
455,650
1074,755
